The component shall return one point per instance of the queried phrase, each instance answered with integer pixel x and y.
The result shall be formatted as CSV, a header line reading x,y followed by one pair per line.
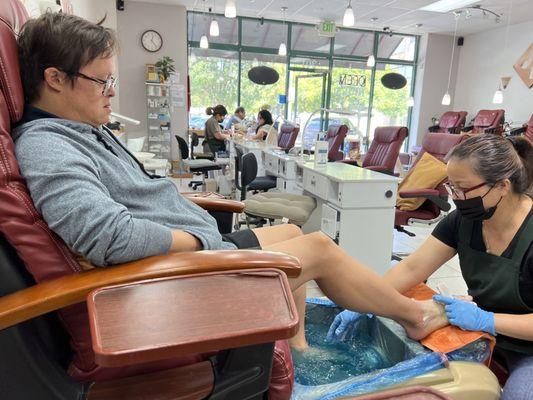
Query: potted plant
x,y
165,67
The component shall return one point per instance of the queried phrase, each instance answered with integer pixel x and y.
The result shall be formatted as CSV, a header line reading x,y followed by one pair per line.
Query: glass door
x,y
350,92
307,94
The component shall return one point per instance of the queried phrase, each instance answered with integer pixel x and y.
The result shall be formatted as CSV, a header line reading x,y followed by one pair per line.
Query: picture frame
x,y
524,67
151,73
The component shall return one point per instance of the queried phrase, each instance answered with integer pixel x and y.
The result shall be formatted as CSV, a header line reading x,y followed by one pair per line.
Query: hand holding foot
x,y
430,318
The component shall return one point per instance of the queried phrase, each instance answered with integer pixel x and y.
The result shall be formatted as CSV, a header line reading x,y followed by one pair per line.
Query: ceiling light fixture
x,y
349,18
371,61
486,13
444,6
213,28
230,11
282,51
446,99
204,43
498,94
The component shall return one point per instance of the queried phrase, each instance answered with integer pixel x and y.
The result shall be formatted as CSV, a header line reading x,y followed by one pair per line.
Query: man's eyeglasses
x,y
109,83
460,193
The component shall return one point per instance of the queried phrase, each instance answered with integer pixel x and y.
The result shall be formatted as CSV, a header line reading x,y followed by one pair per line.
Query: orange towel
x,y
450,337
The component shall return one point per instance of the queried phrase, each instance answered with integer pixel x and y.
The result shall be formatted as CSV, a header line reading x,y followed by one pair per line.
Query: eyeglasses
x,y
109,83
460,193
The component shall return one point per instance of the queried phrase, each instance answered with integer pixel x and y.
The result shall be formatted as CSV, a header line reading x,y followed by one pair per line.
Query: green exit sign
x,y
327,28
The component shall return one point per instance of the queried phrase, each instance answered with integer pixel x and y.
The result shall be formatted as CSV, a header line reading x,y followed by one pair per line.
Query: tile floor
x,y
449,273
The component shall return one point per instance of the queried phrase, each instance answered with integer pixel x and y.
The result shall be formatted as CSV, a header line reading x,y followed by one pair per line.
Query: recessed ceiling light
x,y
448,5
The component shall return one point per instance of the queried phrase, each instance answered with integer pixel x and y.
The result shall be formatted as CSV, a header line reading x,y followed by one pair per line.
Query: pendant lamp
x,y
349,18
204,43
213,29
230,11
447,99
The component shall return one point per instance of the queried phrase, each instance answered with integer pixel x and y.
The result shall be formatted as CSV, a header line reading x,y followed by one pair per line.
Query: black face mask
x,y
474,209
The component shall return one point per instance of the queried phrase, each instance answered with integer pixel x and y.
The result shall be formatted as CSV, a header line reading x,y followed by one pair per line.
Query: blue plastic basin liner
x,y
375,354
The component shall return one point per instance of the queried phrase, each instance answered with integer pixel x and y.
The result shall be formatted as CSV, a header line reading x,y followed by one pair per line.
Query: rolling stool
x,y
196,166
246,178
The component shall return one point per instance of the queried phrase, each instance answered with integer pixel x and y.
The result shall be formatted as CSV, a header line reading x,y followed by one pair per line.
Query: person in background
x,y
214,136
264,125
490,182
237,117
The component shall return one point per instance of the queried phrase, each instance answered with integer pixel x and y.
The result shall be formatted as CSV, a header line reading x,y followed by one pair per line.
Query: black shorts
x,y
244,239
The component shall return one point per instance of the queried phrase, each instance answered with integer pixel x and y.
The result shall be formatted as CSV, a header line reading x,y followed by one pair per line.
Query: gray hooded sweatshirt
x,y
93,194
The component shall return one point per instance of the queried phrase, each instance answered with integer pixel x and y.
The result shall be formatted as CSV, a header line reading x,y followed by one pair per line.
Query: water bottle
x,y
321,150
346,147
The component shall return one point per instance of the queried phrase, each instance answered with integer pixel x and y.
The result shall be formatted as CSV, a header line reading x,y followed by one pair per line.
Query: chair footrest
x,y
277,205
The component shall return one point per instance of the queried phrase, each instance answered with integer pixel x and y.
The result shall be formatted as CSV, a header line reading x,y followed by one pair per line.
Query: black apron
x,y
493,281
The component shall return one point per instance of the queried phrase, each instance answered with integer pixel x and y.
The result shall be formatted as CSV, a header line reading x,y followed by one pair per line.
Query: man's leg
x,y
270,235
355,287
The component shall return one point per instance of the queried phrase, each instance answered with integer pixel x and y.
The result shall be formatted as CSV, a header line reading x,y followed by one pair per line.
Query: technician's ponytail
x,y
524,148
217,110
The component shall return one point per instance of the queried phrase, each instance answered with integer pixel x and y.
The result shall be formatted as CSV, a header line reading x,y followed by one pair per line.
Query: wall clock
x,y
151,41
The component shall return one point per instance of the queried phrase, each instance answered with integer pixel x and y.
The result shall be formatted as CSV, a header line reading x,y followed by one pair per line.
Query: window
x,y
350,91
316,78
390,106
305,38
349,42
198,25
396,47
213,76
265,34
253,96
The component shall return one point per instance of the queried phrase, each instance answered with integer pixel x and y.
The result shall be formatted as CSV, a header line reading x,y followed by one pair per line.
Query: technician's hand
x,y
341,324
467,315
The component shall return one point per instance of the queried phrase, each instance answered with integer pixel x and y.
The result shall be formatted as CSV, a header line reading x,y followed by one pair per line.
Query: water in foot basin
x,y
332,362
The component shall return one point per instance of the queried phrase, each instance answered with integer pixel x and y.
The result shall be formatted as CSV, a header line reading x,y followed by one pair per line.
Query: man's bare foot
x,y
298,342
431,318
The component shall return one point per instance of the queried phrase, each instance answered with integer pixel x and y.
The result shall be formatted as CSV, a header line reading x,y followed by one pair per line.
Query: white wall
x,y
484,59
95,10
431,82
171,23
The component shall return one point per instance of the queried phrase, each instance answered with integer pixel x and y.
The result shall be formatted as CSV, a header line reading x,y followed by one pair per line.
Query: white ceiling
x,y
399,15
